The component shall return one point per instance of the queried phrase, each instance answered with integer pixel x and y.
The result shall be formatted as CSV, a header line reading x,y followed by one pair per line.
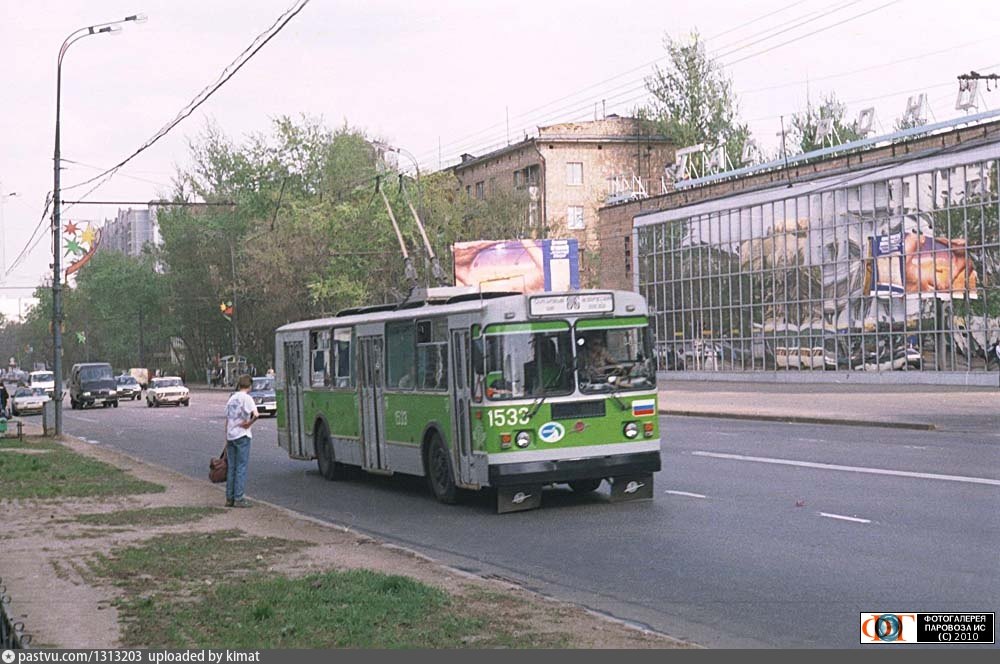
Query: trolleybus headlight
x,y
631,430
523,438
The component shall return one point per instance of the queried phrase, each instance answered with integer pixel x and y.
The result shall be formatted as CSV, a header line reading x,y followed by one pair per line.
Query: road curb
x,y
377,539
796,419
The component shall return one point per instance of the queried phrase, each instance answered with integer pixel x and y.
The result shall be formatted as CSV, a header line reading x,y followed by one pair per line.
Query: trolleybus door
x,y
372,429
293,399
462,441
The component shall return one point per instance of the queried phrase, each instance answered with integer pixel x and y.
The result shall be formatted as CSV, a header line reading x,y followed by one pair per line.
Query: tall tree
x,y
802,132
693,99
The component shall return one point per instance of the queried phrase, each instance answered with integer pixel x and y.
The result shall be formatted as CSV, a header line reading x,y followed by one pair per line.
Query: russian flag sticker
x,y
641,407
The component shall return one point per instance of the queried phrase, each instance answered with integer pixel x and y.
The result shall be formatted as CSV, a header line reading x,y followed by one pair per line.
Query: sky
x,y
436,78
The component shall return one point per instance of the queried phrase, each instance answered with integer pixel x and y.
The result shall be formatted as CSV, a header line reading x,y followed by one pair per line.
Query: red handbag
x,y
218,467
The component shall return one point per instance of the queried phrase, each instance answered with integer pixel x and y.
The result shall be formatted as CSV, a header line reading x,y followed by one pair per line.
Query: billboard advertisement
x,y
523,266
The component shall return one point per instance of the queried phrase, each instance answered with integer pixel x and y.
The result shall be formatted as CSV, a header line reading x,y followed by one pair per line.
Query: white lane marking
x,y
91,442
726,433
844,518
811,440
83,419
853,469
685,493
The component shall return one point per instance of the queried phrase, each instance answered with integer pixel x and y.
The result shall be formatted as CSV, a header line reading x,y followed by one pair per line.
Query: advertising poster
x,y
917,264
888,279
939,267
523,266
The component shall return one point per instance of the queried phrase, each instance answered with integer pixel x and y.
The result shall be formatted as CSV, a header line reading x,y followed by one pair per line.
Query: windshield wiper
x,y
614,395
544,393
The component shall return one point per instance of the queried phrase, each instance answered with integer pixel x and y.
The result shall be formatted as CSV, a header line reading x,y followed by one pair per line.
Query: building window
x,y
517,179
574,217
468,190
481,190
531,175
574,173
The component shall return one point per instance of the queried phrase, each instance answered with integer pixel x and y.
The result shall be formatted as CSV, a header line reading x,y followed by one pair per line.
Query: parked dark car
x,y
128,387
92,383
263,394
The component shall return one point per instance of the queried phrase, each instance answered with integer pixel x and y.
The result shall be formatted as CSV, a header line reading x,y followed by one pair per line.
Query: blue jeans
x,y
237,458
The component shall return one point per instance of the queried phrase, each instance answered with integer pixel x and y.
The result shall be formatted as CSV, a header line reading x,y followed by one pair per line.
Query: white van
x,y
43,379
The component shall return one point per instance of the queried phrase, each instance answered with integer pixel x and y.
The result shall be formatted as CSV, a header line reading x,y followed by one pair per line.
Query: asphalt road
x,y
762,534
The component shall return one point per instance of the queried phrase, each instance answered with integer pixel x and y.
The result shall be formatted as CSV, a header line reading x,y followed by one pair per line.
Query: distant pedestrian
x,y
241,413
4,398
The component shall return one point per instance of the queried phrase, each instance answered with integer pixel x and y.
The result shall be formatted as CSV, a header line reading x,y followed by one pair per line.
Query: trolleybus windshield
x,y
527,364
614,358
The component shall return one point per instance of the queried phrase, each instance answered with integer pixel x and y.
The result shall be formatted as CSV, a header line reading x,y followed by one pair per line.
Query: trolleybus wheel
x,y
439,474
328,466
585,486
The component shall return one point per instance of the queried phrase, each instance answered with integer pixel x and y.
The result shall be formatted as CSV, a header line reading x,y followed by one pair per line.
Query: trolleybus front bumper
x,y
569,470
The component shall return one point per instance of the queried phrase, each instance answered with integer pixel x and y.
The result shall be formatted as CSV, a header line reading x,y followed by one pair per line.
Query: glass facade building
x,y
886,269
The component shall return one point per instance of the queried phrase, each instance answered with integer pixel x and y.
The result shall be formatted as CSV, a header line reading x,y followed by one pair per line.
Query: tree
x,y
802,132
693,100
120,305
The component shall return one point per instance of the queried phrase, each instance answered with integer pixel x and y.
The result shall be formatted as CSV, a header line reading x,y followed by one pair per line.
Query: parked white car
x,y
43,379
28,400
167,390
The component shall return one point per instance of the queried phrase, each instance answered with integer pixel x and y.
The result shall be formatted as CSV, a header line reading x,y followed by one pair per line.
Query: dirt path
x,y
44,549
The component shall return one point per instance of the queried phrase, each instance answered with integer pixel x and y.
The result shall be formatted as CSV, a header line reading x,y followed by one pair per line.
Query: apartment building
x,y
568,171
130,231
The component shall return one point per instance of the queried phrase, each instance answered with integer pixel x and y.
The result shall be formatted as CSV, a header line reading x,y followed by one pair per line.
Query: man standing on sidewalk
x,y
241,413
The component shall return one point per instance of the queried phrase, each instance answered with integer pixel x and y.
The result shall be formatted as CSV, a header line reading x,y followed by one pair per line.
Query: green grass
x,y
153,516
61,473
168,603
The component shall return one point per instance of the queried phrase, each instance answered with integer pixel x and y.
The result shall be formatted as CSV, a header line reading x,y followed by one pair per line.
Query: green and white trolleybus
x,y
474,390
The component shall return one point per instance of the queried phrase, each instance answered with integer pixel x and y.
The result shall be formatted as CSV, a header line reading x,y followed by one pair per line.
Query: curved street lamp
x,y
75,36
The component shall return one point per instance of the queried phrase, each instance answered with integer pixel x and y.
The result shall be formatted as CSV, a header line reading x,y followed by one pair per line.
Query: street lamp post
x,y
101,28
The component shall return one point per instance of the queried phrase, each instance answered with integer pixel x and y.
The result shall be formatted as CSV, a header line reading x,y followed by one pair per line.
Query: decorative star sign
x,y
73,247
81,245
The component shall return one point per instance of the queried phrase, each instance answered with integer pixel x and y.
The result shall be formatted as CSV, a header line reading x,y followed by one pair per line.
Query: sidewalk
x,y
923,407
112,551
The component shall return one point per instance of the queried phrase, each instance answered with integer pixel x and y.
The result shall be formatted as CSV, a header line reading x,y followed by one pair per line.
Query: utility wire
x,y
810,34
32,242
258,43
429,156
200,98
499,141
641,67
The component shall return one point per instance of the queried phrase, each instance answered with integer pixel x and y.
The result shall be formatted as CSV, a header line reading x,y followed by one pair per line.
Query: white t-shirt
x,y
238,410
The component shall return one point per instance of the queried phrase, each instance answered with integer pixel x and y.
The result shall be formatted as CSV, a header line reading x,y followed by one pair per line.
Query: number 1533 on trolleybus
x,y
474,390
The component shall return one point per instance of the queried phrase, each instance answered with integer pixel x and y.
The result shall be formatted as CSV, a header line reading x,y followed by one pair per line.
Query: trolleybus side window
x,y
319,346
525,364
400,355
432,354
340,364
